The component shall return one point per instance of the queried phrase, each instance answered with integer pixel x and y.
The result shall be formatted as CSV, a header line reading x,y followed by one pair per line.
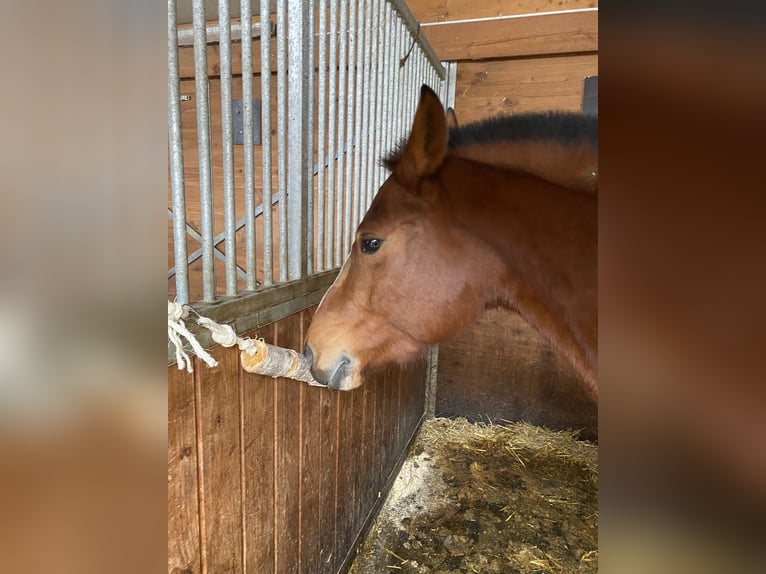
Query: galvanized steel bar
x,y
308,135
268,241
333,141
364,126
321,134
282,135
381,30
396,80
345,34
451,83
227,144
348,192
213,33
360,64
391,79
401,84
248,163
297,133
414,28
175,139
203,149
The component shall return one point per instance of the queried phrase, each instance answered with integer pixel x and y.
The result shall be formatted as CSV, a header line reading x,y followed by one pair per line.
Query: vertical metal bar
x,y
371,97
308,133
360,64
268,248
321,135
248,164
297,133
393,82
333,141
203,149
388,49
380,31
451,82
282,134
364,126
345,35
175,138
401,85
227,143
396,80
348,195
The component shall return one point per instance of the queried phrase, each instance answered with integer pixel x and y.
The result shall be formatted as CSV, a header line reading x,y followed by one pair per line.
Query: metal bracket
x,y
238,114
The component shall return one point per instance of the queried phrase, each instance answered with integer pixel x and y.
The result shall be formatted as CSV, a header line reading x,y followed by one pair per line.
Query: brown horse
x,y
497,213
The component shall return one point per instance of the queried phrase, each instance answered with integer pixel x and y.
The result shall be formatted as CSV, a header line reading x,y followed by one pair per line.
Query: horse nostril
x,y
308,353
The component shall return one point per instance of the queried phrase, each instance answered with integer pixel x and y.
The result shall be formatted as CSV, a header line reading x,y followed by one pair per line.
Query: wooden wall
x,y
271,475
502,369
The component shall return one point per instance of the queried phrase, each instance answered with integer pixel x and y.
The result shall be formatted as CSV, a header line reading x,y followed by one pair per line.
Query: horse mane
x,y
569,129
566,128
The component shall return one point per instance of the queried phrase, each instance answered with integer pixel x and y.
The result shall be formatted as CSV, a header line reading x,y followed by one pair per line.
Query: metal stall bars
x,y
335,115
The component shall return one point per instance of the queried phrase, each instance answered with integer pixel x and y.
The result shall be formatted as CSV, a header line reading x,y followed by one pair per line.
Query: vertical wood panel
x,y
220,435
288,453
288,480
258,456
312,465
183,503
348,466
328,480
383,428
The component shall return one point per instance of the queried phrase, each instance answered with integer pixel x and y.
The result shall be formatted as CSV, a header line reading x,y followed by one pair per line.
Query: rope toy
x,y
256,356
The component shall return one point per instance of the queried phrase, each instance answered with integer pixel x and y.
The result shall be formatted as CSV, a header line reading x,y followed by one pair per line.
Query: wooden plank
x,y
328,480
288,457
218,407
383,427
367,451
183,503
347,468
502,368
514,36
443,10
484,89
258,464
312,466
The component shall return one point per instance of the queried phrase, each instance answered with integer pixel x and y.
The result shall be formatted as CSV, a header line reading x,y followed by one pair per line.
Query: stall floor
x,y
512,498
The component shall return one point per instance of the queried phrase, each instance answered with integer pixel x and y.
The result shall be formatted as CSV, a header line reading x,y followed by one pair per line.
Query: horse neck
x,y
546,237
574,167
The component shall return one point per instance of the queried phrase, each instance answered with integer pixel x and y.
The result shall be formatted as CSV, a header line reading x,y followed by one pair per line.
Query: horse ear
x,y
427,145
451,119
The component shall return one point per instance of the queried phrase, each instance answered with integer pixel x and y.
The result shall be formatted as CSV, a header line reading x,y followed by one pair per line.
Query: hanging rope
x,y
256,356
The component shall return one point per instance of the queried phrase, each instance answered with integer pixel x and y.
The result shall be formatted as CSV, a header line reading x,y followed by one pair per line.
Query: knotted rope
x,y
256,356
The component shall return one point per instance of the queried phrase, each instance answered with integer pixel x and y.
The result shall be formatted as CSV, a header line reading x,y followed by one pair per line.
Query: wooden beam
x,y
514,36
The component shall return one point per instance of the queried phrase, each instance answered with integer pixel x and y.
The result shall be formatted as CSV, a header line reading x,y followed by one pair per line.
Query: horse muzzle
x,y
338,376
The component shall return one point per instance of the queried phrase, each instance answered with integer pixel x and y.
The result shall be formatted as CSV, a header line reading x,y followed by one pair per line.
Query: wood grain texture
x,y
347,469
287,410
327,482
500,368
485,89
513,37
288,474
258,462
312,466
444,10
183,504
221,473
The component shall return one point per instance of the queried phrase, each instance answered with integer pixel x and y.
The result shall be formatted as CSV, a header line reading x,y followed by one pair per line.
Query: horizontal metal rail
x,y
213,32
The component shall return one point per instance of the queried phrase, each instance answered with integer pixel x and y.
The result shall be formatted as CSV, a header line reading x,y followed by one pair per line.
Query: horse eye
x,y
371,245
